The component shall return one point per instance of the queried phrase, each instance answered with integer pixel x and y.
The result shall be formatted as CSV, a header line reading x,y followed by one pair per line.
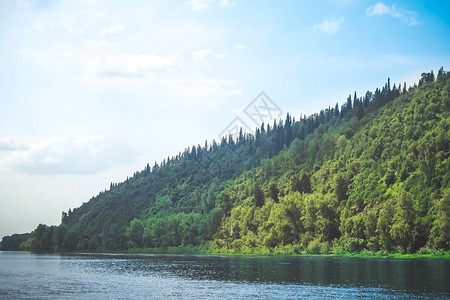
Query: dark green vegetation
x,y
13,242
371,176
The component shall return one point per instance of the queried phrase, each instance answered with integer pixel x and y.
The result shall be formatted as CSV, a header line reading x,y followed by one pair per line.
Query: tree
x,y
360,112
427,165
402,231
341,187
36,237
225,203
367,98
259,197
390,177
327,223
58,235
295,184
309,214
384,225
336,110
70,241
13,242
134,233
349,103
440,231
273,192
305,184
63,217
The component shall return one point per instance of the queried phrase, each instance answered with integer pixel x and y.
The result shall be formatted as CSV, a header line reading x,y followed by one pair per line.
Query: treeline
x,y
304,182
13,242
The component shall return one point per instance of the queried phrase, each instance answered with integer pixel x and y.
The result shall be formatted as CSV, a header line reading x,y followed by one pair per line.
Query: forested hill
x,y
371,174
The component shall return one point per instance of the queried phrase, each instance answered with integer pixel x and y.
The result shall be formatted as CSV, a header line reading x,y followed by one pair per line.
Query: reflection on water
x,y
26,275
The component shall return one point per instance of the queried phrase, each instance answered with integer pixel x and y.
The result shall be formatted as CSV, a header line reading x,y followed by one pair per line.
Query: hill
x,y
372,174
377,182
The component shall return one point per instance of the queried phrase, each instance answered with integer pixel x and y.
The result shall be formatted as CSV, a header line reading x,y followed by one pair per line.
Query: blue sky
x,y
91,91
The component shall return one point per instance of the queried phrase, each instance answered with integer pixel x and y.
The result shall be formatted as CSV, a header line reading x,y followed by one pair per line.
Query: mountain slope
x,y
373,174
379,183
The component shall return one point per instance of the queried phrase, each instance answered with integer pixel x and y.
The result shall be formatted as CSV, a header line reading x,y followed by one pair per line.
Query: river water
x,y
26,275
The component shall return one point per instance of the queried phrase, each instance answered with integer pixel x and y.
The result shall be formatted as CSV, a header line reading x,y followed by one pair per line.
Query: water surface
x,y
26,275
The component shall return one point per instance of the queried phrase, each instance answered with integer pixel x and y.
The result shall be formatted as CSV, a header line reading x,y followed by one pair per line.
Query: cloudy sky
x,y
92,90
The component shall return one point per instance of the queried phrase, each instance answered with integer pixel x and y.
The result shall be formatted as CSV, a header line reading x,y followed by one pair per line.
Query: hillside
x,y
378,183
372,174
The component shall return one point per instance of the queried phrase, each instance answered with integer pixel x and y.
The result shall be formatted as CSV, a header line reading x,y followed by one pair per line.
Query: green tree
x,y
295,184
341,187
390,177
273,192
259,197
402,231
135,233
384,225
440,232
305,184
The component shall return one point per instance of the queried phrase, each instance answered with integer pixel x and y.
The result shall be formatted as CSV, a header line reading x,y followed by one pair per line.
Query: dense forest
x,y
369,175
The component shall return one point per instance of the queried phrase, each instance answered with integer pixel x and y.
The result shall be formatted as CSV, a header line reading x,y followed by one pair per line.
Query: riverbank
x,y
264,251
200,250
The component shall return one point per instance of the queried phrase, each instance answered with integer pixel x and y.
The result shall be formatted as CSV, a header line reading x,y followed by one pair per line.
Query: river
x,y
26,275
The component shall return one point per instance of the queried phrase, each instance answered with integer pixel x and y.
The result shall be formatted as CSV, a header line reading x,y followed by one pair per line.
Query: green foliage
x,y
135,233
14,242
259,197
377,189
440,232
341,187
304,184
371,176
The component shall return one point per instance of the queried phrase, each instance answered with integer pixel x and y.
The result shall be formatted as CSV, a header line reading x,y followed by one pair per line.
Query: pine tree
x,y
349,103
273,192
259,197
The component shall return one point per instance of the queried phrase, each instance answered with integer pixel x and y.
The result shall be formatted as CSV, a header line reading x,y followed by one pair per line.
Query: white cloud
x,y
199,5
329,26
380,9
69,156
130,64
221,55
112,30
8,144
201,54
227,3
240,47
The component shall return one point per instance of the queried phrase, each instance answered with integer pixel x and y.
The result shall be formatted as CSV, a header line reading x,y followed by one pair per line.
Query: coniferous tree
x,y
305,184
273,192
341,187
259,197
349,103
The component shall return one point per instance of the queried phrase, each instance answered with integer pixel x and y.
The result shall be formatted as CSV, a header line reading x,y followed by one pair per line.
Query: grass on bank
x,y
291,250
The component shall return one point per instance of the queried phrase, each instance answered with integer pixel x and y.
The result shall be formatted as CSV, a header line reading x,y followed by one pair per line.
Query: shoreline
x,y
273,253
202,251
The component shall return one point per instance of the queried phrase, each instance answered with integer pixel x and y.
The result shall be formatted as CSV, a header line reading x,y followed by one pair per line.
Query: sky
x,y
91,90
